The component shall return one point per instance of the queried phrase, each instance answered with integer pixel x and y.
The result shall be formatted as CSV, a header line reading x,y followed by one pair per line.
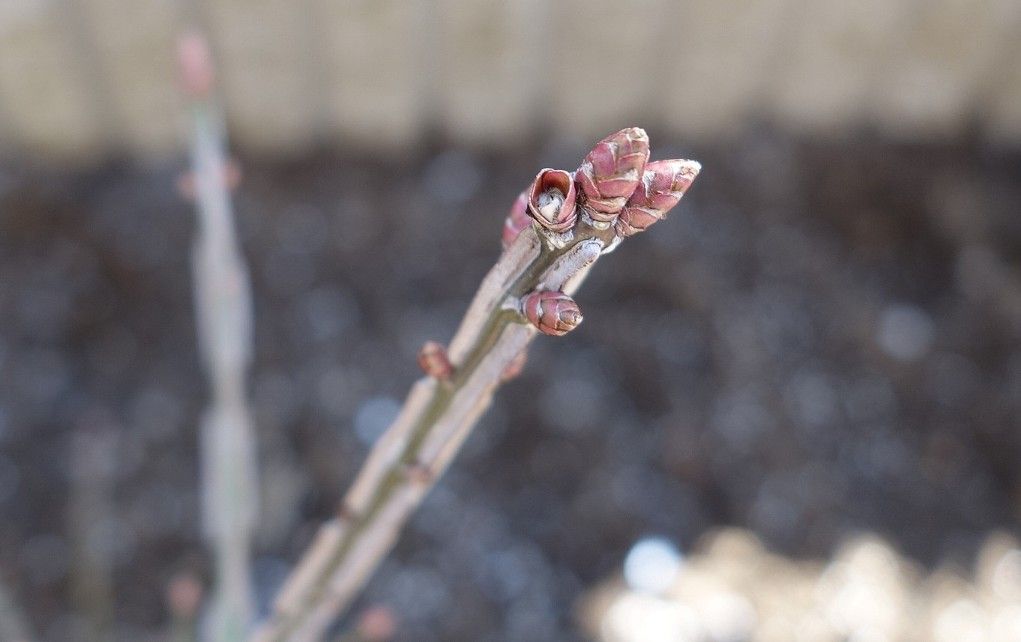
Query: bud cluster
x,y
615,185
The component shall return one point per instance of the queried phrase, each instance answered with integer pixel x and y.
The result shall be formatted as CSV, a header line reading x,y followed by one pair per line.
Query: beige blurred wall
x,y
83,78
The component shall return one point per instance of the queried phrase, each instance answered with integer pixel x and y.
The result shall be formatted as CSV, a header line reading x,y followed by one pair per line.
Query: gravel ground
x,y
823,339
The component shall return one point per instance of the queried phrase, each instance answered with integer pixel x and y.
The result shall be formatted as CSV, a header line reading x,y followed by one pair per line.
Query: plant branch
x,y
224,319
527,291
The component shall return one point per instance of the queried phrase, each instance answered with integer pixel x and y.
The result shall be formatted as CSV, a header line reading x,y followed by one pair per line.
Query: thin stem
x,y
532,281
224,320
414,452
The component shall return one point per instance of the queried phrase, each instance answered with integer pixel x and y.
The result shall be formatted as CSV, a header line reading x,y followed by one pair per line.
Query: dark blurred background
x,y
821,341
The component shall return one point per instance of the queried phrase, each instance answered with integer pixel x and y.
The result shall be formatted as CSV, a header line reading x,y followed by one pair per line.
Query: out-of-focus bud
x,y
433,360
553,313
517,220
514,367
195,64
230,174
419,473
611,171
551,200
377,624
662,186
184,594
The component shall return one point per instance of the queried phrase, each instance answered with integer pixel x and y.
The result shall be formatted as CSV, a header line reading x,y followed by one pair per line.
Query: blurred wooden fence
x,y
81,78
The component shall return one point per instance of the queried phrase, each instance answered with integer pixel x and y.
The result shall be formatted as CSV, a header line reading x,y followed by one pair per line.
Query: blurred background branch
x,y
224,314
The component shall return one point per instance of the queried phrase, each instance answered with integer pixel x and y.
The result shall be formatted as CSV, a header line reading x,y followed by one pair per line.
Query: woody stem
x,y
416,449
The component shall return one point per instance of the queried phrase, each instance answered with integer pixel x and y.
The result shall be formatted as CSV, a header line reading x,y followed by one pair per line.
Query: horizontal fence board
x,y
43,96
1002,116
935,74
263,52
719,59
78,79
603,76
134,43
490,68
830,65
376,67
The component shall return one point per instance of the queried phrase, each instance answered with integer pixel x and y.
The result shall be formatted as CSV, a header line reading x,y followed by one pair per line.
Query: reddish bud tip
x,y
551,200
195,64
184,595
230,175
377,624
517,220
345,512
662,186
514,368
611,171
420,473
433,360
553,313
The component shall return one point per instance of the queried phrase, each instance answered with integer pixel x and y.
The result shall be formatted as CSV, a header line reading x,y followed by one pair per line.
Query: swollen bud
x,y
230,174
433,360
551,200
517,220
553,313
514,367
195,65
662,186
611,171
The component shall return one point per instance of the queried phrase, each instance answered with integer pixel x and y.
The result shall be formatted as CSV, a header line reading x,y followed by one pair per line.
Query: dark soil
x,y
822,339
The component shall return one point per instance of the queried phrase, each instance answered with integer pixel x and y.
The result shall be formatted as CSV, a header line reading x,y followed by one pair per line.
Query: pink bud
x,y
517,220
553,313
611,171
377,624
514,367
184,593
230,174
195,64
419,473
662,186
433,360
551,200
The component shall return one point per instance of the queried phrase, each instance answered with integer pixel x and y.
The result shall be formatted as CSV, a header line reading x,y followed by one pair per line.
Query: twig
x,y
223,307
554,234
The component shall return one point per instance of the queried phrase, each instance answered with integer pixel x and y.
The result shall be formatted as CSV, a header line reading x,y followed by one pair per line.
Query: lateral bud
x,y
517,220
611,172
419,473
551,200
433,360
195,65
553,313
514,367
230,174
662,186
